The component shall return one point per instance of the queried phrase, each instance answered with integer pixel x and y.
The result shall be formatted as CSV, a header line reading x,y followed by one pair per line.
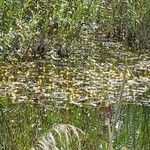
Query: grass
x,y
24,126
23,123
67,135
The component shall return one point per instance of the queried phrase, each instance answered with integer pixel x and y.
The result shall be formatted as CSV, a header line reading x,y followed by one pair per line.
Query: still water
x,y
82,91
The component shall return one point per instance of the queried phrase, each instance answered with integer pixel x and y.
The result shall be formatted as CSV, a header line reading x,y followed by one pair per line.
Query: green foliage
x,y
22,22
134,130
23,123
62,64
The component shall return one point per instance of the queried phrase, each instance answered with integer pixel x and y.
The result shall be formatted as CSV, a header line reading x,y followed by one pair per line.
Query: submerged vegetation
x,y
74,75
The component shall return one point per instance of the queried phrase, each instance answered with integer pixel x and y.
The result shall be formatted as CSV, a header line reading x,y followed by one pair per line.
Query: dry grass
x,y
67,135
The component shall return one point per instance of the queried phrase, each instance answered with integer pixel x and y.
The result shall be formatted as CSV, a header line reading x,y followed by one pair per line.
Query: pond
x,y
82,91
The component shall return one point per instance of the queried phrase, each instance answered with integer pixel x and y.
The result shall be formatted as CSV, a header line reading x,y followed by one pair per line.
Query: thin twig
x,y
117,112
120,100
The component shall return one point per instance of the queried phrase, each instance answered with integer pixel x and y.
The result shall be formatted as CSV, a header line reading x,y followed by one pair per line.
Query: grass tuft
x,y
62,135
